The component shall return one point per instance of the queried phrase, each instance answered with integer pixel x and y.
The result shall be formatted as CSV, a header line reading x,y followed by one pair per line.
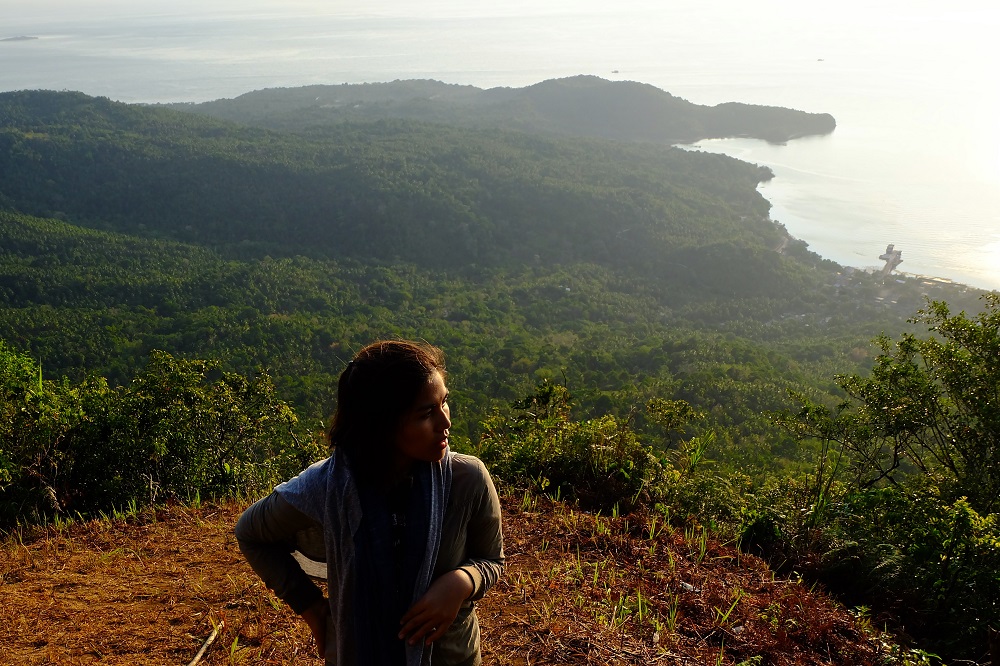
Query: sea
x,y
913,85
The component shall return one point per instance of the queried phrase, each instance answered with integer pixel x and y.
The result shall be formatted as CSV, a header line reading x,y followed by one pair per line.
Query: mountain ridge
x,y
387,190
581,105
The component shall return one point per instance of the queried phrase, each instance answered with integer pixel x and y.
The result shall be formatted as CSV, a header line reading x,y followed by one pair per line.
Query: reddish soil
x,y
579,589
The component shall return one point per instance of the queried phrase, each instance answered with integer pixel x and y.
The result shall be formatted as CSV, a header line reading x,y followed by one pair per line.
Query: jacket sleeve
x,y
484,542
266,535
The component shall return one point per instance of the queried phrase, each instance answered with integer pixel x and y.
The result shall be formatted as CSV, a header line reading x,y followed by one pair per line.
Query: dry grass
x,y
579,589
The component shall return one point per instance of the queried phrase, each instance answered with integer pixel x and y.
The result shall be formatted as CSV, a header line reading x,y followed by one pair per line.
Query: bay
x,y
915,159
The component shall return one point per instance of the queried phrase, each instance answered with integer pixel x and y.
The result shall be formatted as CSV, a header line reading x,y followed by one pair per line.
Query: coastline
x,y
849,220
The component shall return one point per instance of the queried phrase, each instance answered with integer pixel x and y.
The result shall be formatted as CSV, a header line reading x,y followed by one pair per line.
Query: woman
x,y
411,532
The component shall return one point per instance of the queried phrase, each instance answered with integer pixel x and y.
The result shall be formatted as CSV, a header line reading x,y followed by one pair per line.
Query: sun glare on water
x,y
991,262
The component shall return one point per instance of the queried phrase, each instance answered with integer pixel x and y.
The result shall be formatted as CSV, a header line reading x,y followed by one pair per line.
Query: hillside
x,y
629,271
579,589
391,191
621,320
583,106
132,228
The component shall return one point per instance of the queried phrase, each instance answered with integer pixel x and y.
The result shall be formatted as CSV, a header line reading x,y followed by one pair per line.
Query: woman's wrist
x,y
317,606
315,617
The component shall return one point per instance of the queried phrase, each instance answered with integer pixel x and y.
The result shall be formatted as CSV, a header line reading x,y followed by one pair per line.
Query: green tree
x,y
904,498
931,405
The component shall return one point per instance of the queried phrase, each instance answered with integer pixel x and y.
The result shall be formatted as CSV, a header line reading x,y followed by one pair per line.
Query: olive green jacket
x,y
471,540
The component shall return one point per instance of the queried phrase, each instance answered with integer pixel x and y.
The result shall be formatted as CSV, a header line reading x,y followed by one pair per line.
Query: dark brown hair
x,y
374,392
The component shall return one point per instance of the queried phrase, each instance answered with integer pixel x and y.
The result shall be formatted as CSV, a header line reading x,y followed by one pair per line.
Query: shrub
x,y
939,560
36,418
602,463
180,429
599,462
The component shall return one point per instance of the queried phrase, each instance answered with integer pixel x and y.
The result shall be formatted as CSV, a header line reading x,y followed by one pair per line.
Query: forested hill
x,y
580,106
623,322
130,228
393,191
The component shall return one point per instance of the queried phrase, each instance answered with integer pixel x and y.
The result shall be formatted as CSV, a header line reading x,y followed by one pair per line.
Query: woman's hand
x,y
434,612
315,616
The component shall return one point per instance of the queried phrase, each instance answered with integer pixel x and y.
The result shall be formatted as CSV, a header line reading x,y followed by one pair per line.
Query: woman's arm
x,y
482,564
430,617
266,536
485,559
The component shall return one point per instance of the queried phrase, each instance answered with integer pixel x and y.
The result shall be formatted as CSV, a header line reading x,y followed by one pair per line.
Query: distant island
x,y
586,106
19,38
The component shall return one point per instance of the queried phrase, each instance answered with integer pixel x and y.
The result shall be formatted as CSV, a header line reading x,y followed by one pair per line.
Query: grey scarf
x,y
326,492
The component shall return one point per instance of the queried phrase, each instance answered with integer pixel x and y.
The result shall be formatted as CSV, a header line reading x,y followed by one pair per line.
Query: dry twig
x,y
204,646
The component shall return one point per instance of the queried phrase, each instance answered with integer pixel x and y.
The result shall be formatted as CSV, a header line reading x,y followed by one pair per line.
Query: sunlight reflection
x,y
991,263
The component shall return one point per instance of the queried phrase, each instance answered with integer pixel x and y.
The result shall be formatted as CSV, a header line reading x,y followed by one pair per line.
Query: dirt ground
x,y
579,589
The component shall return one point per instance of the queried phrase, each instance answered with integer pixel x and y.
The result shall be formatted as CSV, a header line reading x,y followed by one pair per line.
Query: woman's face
x,y
423,429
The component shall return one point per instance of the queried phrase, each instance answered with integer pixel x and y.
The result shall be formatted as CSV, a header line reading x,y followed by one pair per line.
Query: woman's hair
x,y
374,392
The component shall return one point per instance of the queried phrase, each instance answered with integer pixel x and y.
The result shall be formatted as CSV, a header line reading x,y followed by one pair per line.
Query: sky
x,y
763,16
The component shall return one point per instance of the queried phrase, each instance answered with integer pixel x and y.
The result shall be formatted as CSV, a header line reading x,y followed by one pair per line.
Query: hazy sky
x,y
906,27
776,11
